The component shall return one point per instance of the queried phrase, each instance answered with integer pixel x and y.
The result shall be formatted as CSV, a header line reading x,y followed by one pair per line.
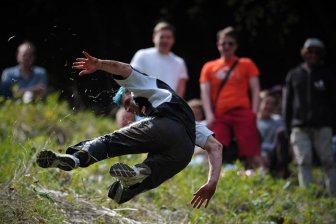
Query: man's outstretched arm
x,y
205,193
90,64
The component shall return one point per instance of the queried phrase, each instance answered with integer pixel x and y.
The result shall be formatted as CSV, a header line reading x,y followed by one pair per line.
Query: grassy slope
x,y
29,194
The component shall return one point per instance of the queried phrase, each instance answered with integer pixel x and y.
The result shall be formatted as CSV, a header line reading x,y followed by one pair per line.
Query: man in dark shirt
x,y
309,102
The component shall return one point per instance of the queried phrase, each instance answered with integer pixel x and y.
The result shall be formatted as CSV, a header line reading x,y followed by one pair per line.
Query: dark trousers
x,y
166,141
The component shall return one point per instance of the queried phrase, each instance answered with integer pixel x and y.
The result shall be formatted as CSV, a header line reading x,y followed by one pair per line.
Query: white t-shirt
x,y
168,68
158,99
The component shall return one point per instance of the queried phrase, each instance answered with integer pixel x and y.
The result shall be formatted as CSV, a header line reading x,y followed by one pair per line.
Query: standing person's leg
x,y
283,155
223,132
247,135
221,128
302,147
322,143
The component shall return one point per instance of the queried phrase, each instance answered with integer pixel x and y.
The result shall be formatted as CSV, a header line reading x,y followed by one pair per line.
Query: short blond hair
x,y
228,31
163,26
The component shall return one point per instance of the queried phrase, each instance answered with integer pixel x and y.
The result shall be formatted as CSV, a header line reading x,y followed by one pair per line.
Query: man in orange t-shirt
x,y
229,110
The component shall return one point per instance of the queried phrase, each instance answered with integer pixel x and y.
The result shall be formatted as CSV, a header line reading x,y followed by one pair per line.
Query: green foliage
x,y
30,194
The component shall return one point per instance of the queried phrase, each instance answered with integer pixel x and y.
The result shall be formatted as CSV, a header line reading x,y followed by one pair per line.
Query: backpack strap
x,y
224,81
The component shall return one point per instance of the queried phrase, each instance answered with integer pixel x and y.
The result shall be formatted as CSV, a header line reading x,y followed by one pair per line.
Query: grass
x,y
29,194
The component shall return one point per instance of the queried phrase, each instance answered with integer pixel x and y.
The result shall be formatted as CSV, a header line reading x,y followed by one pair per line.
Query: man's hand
x,y
87,65
204,194
39,89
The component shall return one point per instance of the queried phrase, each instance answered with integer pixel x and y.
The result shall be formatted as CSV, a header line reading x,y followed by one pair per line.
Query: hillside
x,y
29,194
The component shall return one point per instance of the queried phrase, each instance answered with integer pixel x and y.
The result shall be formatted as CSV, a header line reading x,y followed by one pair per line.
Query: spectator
x,y
228,108
308,113
31,80
274,145
334,146
160,61
267,126
197,108
276,92
200,156
124,118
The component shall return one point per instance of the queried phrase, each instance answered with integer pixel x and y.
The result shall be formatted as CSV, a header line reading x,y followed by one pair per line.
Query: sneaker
x,y
120,194
128,176
47,158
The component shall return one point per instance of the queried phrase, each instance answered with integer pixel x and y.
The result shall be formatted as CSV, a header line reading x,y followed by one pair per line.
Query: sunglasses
x,y
229,43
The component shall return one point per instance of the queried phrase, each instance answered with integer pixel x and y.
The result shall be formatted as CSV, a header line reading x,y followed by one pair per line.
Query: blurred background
x,y
271,33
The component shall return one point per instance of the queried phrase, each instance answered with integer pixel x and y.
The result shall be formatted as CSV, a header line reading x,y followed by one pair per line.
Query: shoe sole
x,y
122,170
127,175
115,191
46,159
120,194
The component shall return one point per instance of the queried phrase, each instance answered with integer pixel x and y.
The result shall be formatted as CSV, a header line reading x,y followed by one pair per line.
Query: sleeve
x,y
252,69
44,76
142,85
5,84
6,77
184,70
137,61
205,72
202,134
331,84
138,80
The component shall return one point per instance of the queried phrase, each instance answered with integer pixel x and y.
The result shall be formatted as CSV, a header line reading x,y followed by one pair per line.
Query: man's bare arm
x,y
205,193
206,102
255,90
90,64
181,87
